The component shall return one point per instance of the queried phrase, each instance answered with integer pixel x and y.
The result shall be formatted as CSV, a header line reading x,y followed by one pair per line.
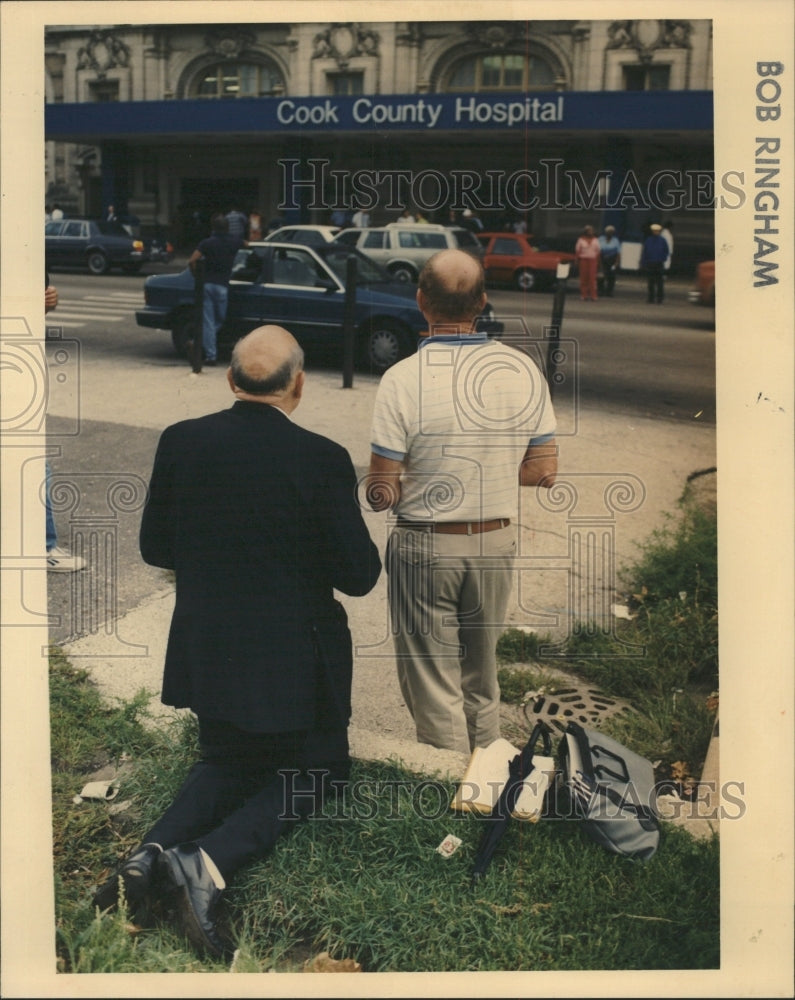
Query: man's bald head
x,y
266,363
451,287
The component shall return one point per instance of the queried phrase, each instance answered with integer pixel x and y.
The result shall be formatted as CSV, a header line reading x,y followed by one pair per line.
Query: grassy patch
x,y
364,880
376,889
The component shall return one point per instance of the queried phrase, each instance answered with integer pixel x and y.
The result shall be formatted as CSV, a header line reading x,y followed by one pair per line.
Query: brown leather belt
x,y
456,527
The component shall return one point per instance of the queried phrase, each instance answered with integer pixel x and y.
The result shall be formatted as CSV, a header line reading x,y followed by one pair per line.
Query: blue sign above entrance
x,y
682,110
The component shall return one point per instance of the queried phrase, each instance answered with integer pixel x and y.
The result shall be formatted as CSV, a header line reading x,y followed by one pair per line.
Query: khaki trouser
x,y
448,596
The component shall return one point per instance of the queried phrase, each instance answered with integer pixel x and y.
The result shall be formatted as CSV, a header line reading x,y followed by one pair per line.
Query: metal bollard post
x,y
349,323
198,302
558,302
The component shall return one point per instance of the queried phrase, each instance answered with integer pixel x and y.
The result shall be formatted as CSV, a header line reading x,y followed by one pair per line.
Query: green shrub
x,y
516,646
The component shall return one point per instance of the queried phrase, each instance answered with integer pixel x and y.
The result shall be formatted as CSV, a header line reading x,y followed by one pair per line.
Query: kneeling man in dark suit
x,y
259,520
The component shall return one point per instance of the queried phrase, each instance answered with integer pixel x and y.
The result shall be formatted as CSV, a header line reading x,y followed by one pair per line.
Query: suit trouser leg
x,y
448,595
295,791
252,830
249,788
209,793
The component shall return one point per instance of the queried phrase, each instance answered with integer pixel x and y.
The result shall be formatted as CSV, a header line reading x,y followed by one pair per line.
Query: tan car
x,y
403,248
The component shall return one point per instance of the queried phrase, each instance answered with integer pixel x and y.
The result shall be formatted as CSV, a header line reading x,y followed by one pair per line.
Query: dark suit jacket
x,y
258,518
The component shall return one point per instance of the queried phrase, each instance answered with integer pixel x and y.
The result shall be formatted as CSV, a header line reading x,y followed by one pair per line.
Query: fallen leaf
x,y
680,770
325,963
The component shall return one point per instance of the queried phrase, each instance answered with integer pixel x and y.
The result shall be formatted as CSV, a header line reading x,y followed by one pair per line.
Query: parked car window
x,y
350,237
112,229
367,271
247,265
294,267
427,241
53,228
374,240
73,229
506,245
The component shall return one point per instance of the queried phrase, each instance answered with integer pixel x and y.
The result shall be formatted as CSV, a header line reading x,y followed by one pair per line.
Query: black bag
x,y
612,790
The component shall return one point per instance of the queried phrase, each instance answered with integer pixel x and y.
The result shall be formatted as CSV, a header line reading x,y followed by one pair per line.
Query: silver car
x,y
403,248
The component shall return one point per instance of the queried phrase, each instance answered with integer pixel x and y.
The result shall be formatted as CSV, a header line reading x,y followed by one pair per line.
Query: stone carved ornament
x,y
496,34
342,42
647,36
104,51
230,42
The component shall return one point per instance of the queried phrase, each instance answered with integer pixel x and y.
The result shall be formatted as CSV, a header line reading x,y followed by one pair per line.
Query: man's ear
x,y
230,380
298,388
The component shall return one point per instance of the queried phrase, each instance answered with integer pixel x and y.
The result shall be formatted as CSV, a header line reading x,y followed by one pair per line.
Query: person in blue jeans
x,y
652,260
218,255
610,246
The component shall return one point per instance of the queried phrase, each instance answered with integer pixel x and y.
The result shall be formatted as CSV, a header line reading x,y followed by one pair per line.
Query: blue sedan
x,y
302,289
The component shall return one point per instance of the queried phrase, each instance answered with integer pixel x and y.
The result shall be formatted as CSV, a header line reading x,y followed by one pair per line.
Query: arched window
x,y
501,71
233,79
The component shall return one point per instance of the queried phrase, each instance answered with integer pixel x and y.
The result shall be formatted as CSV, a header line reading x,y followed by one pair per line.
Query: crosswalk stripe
x,y
96,308
87,314
121,297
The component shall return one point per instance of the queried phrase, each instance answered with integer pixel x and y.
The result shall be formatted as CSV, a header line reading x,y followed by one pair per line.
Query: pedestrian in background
x,y
237,223
449,466
652,261
340,217
254,226
471,221
587,252
217,253
258,518
610,253
667,234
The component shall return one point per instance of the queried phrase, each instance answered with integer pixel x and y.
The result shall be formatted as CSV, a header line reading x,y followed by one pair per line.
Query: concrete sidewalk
x,y
619,477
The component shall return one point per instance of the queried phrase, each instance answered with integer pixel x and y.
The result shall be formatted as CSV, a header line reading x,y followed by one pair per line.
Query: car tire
x,y
403,272
183,335
382,345
526,280
97,262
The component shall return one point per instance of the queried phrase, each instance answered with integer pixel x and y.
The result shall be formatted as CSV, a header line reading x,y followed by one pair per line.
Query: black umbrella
x,y
519,768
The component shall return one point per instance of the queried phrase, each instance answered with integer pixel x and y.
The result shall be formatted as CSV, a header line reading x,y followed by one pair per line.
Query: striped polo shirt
x,y
461,413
